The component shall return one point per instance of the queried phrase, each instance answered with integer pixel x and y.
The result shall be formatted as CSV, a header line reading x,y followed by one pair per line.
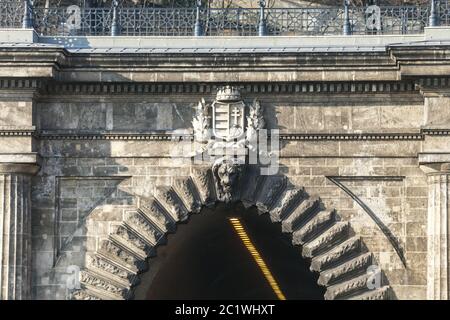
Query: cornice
x,y
350,136
189,137
123,88
169,136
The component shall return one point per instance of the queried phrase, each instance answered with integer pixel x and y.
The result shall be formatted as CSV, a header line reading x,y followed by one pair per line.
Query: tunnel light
x,y
240,230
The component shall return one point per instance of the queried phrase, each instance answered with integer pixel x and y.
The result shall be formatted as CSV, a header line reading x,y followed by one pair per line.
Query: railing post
x,y
27,21
262,30
434,19
346,30
198,28
115,27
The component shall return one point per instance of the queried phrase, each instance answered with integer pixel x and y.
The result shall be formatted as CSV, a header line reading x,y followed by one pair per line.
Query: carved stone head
x,y
227,173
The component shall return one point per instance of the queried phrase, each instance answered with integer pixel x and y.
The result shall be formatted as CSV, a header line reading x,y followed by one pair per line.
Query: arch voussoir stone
x,y
336,252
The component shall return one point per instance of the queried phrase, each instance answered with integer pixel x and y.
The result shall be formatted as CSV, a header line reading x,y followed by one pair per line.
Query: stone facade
x,y
93,174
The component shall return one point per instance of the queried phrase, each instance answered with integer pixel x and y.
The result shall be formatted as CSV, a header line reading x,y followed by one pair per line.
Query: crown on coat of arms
x,y
228,93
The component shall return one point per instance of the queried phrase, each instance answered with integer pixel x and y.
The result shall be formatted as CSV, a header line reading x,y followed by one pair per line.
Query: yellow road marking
x,y
240,230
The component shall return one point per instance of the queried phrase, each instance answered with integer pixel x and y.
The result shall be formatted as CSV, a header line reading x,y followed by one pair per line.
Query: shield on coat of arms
x,y
228,119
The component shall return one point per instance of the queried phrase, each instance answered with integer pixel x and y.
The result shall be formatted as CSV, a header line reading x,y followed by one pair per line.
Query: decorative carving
x,y
327,239
314,227
325,261
228,114
382,293
348,287
117,252
201,122
153,210
144,227
270,191
228,93
132,239
89,279
255,122
186,191
99,263
170,201
301,214
83,295
227,173
286,204
228,124
361,262
202,178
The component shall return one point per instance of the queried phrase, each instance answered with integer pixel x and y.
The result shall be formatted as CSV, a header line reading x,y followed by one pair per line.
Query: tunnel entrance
x,y
207,259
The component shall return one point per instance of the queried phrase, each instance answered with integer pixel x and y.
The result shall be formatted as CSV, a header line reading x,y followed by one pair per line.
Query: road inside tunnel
x,y
206,259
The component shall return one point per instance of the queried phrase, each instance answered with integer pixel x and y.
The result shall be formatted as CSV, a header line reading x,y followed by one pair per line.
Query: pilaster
x,y
438,229
15,230
18,162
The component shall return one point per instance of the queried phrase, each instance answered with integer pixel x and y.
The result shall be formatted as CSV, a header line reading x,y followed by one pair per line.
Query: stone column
x,y
15,230
434,160
438,230
438,234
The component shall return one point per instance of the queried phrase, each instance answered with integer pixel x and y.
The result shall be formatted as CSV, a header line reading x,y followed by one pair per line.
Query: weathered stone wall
x,y
366,130
88,182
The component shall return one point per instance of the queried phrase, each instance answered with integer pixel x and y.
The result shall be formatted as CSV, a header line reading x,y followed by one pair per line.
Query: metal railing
x,y
74,20
11,14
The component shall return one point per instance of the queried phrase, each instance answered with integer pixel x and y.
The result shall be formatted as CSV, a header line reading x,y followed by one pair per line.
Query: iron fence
x,y
136,21
11,14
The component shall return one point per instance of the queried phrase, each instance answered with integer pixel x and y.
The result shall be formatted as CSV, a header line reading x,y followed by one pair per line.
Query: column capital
x,y
435,163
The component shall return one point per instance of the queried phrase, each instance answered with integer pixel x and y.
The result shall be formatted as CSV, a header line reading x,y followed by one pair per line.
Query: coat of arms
x,y
227,129
227,118
228,114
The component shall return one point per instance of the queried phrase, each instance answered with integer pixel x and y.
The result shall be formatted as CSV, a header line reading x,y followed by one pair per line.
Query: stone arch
x,y
336,252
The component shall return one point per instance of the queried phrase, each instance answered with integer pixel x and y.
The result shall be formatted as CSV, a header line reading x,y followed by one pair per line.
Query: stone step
x,y
314,227
286,204
154,212
204,183
334,235
102,265
121,256
103,286
269,193
187,192
383,293
250,185
301,214
142,227
128,239
170,201
85,294
337,255
355,266
347,288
